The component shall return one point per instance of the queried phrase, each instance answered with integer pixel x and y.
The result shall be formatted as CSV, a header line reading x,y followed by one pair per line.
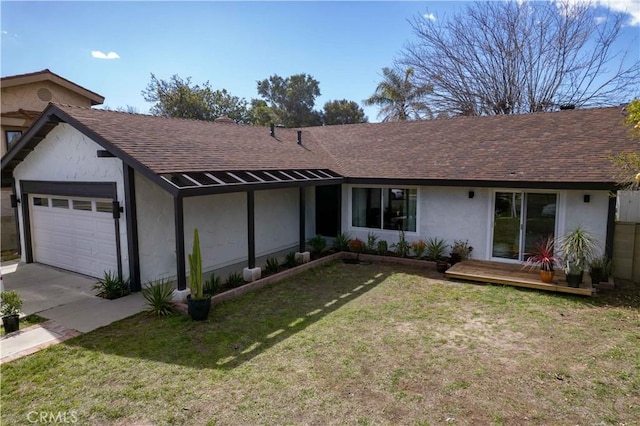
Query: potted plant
x,y
460,251
578,248
435,250
198,304
542,257
10,309
600,270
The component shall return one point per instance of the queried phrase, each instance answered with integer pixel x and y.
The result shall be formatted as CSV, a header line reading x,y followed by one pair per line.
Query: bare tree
x,y
516,57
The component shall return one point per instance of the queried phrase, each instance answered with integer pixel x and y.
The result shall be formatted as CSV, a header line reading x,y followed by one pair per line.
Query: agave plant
x,y
578,248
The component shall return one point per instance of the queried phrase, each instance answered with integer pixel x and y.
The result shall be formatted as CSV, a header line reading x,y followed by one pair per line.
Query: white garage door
x,y
77,234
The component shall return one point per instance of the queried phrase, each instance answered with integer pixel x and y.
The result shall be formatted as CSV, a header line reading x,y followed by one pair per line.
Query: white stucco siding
x,y
156,231
222,228
277,220
591,216
67,155
448,213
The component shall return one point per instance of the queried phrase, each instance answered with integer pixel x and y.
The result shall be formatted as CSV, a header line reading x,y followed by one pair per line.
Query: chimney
x,y
567,106
299,137
273,130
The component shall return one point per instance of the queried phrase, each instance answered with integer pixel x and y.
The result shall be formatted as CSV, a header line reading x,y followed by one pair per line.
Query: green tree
x,y
343,112
292,99
260,114
399,97
177,97
628,163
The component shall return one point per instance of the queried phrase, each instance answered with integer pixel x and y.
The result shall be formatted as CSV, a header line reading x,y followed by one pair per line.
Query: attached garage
x,y
74,233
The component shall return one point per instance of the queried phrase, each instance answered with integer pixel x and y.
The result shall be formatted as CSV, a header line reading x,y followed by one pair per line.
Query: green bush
x,y
158,295
317,245
290,260
111,286
372,240
234,280
402,247
341,242
11,303
272,266
213,285
382,247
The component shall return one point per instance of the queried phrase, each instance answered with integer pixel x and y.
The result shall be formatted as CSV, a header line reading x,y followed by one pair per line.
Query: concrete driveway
x,y
66,297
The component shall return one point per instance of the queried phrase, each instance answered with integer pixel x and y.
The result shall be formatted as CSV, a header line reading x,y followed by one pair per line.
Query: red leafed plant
x,y
356,245
542,256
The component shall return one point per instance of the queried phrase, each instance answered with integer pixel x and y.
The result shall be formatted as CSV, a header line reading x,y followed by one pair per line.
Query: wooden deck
x,y
514,275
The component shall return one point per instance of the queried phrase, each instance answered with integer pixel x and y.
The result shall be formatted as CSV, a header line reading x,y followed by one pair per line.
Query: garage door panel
x,y
78,240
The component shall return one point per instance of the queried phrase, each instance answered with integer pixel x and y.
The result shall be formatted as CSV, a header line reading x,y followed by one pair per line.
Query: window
x,y
12,136
82,205
39,201
59,203
104,206
384,208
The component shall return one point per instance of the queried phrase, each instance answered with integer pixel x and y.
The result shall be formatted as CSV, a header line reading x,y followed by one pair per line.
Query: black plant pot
x,y
455,258
199,308
11,323
574,280
441,266
598,275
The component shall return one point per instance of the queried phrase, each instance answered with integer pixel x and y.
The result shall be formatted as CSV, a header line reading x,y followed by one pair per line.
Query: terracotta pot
x,y
546,276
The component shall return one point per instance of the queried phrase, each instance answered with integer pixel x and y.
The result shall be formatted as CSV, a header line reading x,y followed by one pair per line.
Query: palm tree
x,y
399,98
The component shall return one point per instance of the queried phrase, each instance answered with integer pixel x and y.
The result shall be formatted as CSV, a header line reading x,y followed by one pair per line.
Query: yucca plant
x,y
158,295
212,285
234,280
290,260
341,243
435,249
111,286
272,266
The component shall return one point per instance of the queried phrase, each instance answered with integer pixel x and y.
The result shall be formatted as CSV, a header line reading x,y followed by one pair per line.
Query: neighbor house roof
x,y
47,75
568,146
553,149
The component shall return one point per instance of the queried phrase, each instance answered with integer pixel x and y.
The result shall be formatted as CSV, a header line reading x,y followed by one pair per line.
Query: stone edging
x,y
50,325
263,282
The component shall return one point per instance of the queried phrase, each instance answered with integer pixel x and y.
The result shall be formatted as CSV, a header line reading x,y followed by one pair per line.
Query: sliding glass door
x,y
520,221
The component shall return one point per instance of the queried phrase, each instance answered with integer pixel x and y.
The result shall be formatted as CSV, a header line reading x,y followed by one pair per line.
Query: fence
x,y
626,251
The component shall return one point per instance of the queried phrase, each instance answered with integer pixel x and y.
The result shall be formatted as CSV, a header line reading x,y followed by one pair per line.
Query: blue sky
x,y
343,45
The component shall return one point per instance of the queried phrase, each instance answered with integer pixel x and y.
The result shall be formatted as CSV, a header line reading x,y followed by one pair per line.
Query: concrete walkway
x,y
66,299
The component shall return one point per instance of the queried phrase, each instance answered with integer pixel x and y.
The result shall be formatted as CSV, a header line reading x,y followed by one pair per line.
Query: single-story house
x,y
103,190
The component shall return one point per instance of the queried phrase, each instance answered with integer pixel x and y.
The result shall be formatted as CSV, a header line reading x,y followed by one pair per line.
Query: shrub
x,y
371,246
212,286
435,248
272,266
402,247
341,242
317,245
158,295
382,248
290,260
356,245
11,303
234,280
418,248
111,286
461,248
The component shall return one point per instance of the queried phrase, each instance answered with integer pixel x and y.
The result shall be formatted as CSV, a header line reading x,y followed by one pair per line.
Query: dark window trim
x,y
8,143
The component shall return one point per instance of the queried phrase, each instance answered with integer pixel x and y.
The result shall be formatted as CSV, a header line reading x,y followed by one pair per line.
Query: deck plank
x,y
513,275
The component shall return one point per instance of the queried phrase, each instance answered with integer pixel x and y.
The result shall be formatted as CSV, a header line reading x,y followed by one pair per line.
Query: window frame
x,y
384,190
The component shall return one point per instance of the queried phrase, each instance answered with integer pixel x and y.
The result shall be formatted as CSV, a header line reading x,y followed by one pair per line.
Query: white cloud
x,y
100,55
628,7
429,16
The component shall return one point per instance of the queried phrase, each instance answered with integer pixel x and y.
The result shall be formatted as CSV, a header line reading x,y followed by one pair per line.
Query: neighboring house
x,y
103,190
24,97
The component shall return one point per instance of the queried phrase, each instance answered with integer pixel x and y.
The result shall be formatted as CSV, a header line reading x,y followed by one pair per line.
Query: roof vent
x,y
224,119
299,137
273,130
567,106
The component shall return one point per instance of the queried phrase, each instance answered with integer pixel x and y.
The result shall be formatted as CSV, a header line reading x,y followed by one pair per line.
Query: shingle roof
x,y
166,145
563,146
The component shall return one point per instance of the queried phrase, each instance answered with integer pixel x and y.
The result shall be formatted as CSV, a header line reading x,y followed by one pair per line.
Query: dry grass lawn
x,y
351,344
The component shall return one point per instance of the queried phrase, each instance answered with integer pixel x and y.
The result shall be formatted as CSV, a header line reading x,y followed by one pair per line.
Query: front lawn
x,y
350,344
